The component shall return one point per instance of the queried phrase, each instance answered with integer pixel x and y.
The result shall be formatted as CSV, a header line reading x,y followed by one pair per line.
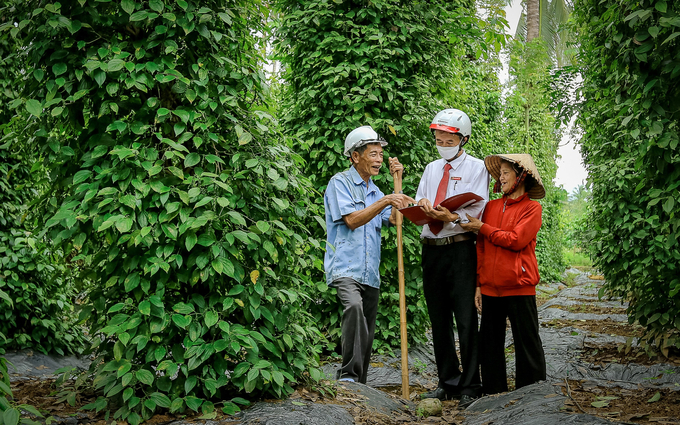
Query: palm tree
x,y
546,19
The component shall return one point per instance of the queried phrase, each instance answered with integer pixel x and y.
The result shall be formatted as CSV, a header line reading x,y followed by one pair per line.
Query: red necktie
x,y
436,226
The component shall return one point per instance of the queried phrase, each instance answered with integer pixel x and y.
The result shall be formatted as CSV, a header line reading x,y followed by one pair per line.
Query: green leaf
x,y
181,321
160,353
81,176
656,397
669,204
183,308
601,403
124,225
128,6
211,318
34,107
99,76
182,114
156,5
190,241
160,399
139,16
245,138
191,95
193,403
179,128
192,159
59,68
118,349
11,416
115,65
144,376
145,308
671,37
263,226
237,218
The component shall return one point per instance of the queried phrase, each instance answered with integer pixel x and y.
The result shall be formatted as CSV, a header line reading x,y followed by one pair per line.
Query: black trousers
x,y
529,355
449,283
359,310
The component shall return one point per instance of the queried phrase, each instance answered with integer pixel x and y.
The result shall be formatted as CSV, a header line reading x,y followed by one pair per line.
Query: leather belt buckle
x,y
447,240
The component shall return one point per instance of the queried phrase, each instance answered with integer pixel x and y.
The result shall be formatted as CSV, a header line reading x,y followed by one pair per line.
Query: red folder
x,y
417,215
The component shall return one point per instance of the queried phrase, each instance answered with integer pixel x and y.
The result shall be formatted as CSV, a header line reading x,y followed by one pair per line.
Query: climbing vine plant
x,y
630,116
176,195
36,283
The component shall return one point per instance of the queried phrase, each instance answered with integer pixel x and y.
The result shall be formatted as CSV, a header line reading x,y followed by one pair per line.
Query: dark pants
x,y
449,283
529,355
359,309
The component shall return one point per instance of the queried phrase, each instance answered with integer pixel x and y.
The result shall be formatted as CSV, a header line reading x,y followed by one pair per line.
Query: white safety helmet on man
x,y
453,121
361,136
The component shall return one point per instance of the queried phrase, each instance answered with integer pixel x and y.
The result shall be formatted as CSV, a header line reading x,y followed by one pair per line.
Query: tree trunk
x,y
533,19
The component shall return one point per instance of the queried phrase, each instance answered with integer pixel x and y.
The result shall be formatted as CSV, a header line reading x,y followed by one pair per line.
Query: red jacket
x,y
506,256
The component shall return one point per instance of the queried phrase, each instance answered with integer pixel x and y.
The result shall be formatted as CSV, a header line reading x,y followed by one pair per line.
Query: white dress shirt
x,y
467,174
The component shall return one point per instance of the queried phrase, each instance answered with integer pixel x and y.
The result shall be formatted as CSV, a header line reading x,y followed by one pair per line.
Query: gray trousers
x,y
359,309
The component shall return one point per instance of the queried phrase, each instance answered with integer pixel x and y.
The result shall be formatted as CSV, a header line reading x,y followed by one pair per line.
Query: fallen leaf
x,y
601,403
636,416
656,397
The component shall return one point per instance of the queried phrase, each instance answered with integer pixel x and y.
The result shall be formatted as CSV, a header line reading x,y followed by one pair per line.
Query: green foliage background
x,y
630,116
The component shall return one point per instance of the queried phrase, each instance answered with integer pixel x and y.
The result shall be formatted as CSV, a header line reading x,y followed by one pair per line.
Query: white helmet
x,y
452,121
361,136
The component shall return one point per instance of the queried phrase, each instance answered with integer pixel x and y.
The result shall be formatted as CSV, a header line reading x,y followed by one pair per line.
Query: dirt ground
x,y
640,405
607,326
617,404
587,308
43,395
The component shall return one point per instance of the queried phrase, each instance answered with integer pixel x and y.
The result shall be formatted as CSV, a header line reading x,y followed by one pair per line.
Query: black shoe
x,y
466,400
441,394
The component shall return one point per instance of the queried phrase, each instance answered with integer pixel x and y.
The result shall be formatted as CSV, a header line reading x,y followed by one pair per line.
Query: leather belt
x,y
449,239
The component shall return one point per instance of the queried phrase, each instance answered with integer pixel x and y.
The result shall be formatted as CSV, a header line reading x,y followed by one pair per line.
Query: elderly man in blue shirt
x,y
356,210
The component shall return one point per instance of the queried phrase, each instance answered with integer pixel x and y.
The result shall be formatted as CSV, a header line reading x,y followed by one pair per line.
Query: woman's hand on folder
x,y
473,225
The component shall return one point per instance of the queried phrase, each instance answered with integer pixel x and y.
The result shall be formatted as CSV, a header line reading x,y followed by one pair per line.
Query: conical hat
x,y
524,160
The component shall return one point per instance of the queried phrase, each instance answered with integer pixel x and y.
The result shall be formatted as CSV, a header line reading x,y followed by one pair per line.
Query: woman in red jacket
x,y
507,272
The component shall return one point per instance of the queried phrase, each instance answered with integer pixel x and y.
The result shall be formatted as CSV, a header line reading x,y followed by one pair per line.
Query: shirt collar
x,y
511,201
356,178
456,162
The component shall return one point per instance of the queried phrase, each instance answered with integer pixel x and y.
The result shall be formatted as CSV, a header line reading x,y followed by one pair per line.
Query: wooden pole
x,y
402,297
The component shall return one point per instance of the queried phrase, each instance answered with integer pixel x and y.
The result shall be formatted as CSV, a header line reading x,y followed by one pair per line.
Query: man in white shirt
x,y
449,258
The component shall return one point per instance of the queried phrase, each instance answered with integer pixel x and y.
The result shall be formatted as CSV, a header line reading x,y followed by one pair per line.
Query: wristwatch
x,y
456,221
